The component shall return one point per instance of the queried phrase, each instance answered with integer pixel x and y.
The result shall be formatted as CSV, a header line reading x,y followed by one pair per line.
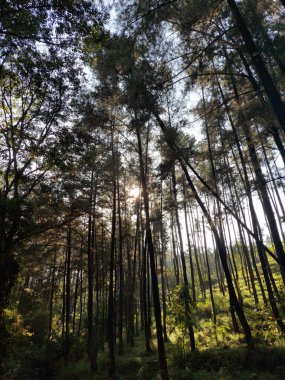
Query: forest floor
x,y
221,353
260,363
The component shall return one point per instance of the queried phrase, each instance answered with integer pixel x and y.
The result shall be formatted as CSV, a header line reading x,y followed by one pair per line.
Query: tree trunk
x,y
154,281
67,297
92,353
187,298
110,322
51,295
121,275
190,253
265,78
209,275
219,242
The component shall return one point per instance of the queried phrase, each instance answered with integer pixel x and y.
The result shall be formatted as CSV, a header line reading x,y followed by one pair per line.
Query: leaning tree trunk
x,y
265,78
219,242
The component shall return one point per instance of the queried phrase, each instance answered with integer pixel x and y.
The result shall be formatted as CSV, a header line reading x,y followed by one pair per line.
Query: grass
x,y
134,363
221,354
260,363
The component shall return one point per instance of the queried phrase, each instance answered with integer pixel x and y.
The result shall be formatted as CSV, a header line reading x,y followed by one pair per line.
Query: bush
x,y
40,361
76,371
259,359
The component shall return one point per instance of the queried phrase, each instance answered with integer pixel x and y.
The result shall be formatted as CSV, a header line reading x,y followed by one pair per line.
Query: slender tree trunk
x,y
121,275
175,258
75,300
63,297
144,294
80,293
272,128
133,281
200,277
219,242
190,254
260,181
91,349
255,223
148,293
162,266
187,298
209,275
150,247
51,295
110,323
265,78
67,297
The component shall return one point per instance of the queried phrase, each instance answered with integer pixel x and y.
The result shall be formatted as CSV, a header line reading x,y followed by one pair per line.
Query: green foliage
x,y
133,364
148,370
75,371
179,295
204,309
33,360
41,361
34,314
262,362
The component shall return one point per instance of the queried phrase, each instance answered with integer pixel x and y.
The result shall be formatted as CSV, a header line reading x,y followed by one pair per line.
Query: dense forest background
x,y
142,189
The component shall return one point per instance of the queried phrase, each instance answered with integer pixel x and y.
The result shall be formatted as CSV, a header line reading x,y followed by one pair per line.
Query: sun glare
x,y
134,192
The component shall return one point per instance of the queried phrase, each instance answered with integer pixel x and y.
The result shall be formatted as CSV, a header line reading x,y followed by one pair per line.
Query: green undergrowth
x,y
221,353
134,363
260,363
